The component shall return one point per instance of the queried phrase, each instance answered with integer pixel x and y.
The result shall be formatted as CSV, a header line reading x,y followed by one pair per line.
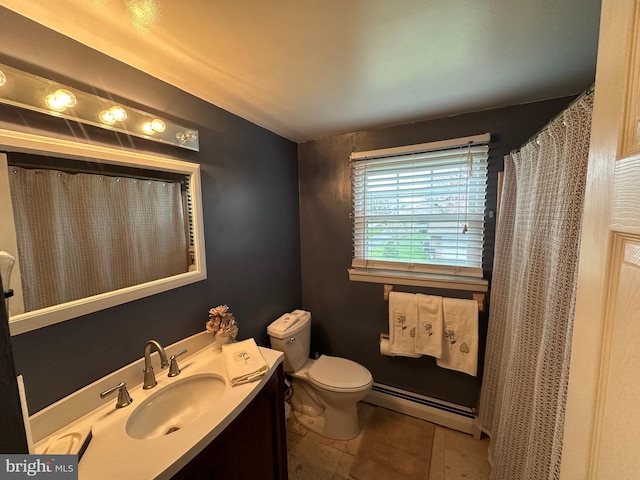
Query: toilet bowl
x,y
326,391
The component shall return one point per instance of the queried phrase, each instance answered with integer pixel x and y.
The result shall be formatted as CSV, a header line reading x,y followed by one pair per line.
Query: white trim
x,y
451,282
421,147
31,143
581,454
417,268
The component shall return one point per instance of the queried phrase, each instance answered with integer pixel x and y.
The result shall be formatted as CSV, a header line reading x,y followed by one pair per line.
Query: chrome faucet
x,y
149,376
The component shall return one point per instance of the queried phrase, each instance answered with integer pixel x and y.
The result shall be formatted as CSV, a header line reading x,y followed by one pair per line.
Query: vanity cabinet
x,y
253,446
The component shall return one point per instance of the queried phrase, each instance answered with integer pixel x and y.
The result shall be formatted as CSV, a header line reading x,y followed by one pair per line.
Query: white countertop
x,y
112,453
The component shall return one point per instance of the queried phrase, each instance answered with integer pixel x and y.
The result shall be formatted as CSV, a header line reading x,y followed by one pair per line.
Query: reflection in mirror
x,y
94,231
7,261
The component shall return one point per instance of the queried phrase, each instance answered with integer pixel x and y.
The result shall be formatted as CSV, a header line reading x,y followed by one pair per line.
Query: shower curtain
x,y
523,396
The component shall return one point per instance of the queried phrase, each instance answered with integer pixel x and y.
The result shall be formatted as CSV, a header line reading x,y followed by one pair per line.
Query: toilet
x,y
326,391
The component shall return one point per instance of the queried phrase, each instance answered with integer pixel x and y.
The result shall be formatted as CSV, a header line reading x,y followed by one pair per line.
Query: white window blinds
x,y
421,208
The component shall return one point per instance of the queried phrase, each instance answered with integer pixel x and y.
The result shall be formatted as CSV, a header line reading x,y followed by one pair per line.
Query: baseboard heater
x,y
450,415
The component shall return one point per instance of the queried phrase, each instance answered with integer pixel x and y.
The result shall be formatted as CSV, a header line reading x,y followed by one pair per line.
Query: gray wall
x,y
349,316
251,218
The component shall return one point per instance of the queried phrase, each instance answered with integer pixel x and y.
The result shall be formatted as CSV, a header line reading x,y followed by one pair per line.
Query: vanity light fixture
x,y
25,90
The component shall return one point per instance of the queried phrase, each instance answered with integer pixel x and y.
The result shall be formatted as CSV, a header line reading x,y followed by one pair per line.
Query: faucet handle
x,y
124,398
174,370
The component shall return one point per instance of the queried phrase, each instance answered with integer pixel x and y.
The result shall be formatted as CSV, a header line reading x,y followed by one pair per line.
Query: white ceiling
x,y
312,68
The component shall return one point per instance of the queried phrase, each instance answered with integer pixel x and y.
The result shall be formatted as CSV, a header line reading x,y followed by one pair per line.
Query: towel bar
x,y
479,297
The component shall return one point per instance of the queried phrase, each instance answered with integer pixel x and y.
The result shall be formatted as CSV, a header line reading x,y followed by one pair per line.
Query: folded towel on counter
x,y
429,329
403,317
460,336
74,443
244,362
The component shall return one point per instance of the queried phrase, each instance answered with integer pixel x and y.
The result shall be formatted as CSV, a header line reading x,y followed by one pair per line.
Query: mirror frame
x,y
52,146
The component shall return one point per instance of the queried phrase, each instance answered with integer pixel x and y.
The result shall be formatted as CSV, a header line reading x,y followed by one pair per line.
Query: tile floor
x,y
455,455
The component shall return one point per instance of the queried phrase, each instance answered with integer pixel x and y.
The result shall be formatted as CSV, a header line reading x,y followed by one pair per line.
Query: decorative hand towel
x,y
429,329
403,316
460,341
244,362
70,444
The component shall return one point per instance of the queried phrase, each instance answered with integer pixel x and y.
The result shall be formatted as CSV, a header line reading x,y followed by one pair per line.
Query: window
x,y
420,209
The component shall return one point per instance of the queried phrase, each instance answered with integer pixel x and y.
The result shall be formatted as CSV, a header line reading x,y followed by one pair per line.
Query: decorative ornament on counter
x,y
223,325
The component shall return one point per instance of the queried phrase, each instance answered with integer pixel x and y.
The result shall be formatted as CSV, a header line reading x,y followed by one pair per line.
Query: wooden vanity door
x,y
602,424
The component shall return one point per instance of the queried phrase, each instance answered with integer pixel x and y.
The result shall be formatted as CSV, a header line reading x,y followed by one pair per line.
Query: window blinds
x,y
421,210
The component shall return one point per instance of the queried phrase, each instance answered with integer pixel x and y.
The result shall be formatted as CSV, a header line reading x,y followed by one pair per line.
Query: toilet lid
x,y
336,373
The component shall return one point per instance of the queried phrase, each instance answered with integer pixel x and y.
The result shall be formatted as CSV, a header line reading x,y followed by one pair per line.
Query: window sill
x,y
451,282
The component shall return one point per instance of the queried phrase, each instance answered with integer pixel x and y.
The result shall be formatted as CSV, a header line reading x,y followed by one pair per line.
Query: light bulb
x,y
60,100
106,117
118,113
184,137
66,97
147,127
54,103
157,125
3,78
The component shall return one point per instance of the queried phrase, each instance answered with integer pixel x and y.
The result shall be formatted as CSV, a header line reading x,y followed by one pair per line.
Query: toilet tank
x,y
291,334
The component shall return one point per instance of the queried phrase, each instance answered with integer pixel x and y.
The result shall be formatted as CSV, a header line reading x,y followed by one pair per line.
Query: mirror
x,y
112,159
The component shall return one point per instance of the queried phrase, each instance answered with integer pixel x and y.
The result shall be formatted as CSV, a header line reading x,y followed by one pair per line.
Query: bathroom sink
x,y
174,406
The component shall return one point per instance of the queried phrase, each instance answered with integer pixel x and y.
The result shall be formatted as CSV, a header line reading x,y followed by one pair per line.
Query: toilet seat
x,y
339,374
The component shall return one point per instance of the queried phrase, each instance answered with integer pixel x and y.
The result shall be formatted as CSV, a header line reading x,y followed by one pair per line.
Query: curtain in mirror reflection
x,y
84,234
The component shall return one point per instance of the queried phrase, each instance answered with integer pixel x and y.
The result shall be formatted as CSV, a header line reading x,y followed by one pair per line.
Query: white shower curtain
x,y
524,389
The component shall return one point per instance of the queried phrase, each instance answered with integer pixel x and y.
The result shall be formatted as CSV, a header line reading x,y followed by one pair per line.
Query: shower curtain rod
x,y
588,91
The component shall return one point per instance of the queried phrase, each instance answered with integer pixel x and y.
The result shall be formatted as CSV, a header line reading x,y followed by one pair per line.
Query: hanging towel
x,y
403,316
429,329
460,336
244,362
